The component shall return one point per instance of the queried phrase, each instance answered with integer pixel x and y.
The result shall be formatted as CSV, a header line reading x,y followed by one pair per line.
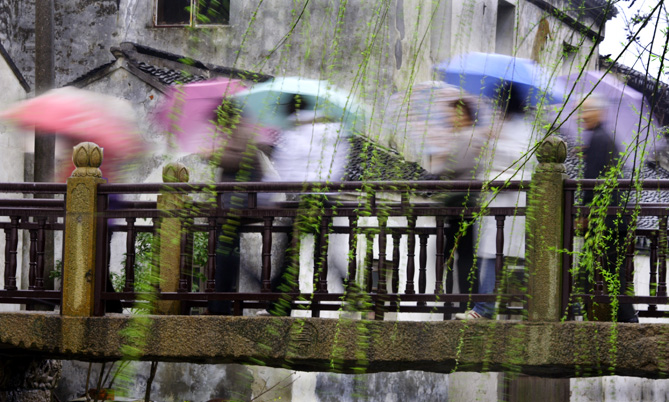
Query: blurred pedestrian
x,y
601,157
239,157
511,137
314,149
441,128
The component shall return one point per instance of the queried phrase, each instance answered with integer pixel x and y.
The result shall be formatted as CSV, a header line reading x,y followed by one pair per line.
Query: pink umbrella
x,y
622,118
83,116
189,111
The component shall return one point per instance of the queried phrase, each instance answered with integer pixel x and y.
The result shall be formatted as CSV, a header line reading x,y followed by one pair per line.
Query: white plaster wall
x,y
317,48
473,26
552,59
618,389
11,163
473,387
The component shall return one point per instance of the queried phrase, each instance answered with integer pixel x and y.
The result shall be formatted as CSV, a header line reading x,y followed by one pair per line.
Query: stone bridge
x,y
542,338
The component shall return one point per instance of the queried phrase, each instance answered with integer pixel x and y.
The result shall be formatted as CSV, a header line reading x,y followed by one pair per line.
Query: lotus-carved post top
x,y
551,154
87,157
552,150
175,173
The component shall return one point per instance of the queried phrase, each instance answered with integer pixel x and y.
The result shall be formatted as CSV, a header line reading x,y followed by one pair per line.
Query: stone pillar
x,y
80,231
170,237
545,219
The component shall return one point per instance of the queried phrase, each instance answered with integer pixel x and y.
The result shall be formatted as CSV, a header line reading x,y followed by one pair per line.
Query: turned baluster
x,y
439,263
295,246
211,256
157,224
369,262
267,255
321,257
629,263
662,270
189,260
395,283
32,273
499,253
652,283
41,244
353,249
8,233
183,261
599,280
422,265
411,254
130,256
382,288
10,252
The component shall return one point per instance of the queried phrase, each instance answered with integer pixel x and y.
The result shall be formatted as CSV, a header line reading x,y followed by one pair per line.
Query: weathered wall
x,y
12,143
530,31
17,34
375,46
194,382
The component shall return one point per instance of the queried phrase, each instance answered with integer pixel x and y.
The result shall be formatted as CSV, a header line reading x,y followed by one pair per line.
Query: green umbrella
x,y
271,103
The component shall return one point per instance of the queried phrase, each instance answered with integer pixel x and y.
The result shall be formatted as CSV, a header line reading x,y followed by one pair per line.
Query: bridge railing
x,y
390,234
26,223
384,234
641,250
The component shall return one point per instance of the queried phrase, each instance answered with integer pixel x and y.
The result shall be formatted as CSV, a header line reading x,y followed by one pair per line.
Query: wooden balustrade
x,y
377,277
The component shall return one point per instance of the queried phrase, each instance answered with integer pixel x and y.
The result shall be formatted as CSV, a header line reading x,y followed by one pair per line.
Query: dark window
x,y
197,12
173,12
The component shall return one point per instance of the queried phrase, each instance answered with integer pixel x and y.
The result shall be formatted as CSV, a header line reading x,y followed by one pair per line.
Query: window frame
x,y
193,23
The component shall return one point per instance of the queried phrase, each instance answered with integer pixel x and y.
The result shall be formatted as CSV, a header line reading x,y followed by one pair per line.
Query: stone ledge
x,y
572,349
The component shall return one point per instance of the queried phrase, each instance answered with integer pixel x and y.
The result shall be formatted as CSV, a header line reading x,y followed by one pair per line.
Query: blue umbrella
x,y
485,73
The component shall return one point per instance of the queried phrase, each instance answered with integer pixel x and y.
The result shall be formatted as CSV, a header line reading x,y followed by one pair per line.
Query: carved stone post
x,y
80,231
170,237
545,219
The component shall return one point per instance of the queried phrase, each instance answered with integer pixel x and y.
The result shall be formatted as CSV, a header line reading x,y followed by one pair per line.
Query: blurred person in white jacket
x,y
314,149
506,156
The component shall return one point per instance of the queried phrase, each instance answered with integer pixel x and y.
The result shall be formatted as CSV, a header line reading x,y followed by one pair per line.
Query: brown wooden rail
x,y
35,217
345,199
351,200
655,237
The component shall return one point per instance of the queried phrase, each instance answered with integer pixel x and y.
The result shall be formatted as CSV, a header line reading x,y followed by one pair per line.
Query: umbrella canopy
x,y
189,113
271,103
83,116
627,115
420,124
484,73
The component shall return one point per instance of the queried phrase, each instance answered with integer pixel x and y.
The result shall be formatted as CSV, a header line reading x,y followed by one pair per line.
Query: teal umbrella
x,y
276,102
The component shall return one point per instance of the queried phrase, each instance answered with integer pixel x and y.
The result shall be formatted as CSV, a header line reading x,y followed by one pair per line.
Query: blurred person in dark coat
x,y
601,155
